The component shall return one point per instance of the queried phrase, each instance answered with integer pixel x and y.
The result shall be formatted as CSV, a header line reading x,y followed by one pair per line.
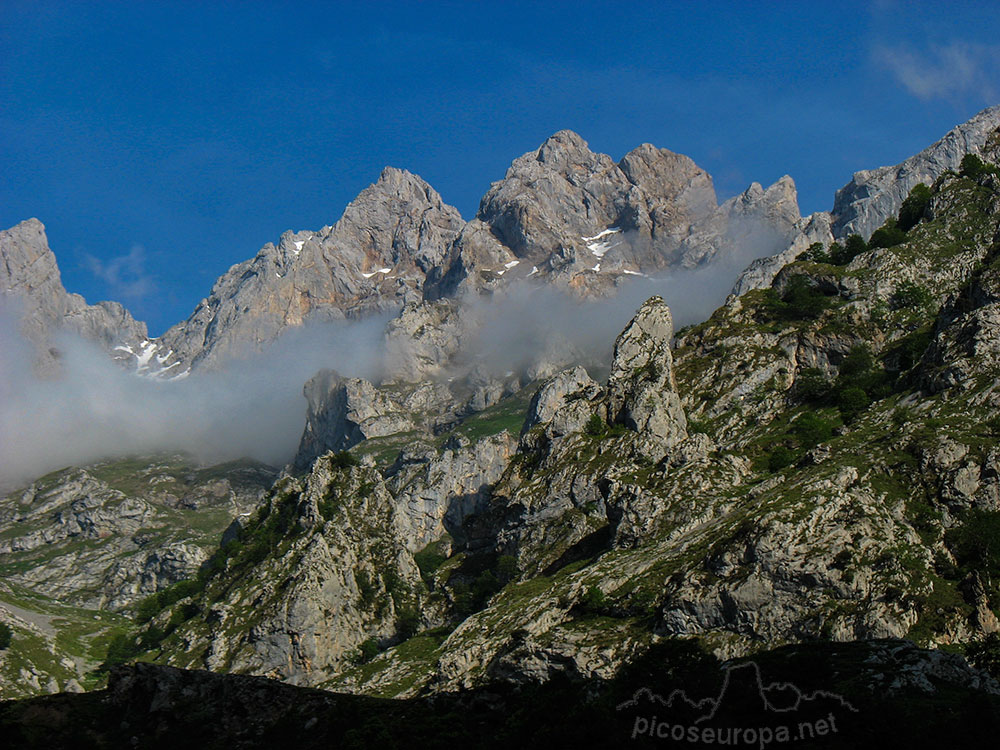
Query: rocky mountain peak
x,y
563,149
873,195
30,279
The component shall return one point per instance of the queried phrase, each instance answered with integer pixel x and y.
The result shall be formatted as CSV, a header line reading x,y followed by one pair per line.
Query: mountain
x,y
33,291
809,463
562,215
874,196
811,472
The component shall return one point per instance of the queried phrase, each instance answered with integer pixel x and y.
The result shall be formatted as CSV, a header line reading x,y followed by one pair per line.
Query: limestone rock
x,y
873,195
563,403
374,259
31,288
642,393
343,412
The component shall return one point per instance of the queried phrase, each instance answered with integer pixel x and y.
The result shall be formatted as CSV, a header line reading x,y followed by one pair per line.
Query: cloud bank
x,y
255,407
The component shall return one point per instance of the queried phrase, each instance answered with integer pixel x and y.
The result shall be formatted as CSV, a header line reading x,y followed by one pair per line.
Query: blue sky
x,y
162,142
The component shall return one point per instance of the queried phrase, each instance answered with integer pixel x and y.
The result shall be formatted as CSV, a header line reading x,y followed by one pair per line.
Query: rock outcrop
x,y
31,289
345,411
873,195
374,259
642,393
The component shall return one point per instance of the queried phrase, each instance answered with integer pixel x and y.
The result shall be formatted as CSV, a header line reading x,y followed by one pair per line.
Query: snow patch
x,y
298,246
534,270
598,247
380,270
511,264
605,233
633,273
145,354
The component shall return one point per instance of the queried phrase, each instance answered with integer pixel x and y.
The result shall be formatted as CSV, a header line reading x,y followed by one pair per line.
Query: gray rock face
x,y
642,393
374,259
343,574
807,231
563,403
423,340
30,285
873,195
439,490
568,216
343,412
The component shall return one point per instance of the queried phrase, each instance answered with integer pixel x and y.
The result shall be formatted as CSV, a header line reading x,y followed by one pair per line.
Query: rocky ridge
x,y
749,481
32,291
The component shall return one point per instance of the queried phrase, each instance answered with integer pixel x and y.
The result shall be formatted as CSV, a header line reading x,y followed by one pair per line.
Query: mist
x,y
255,407
93,409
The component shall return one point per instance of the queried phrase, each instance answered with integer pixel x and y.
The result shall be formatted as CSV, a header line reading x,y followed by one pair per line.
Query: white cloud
x,y
125,274
945,71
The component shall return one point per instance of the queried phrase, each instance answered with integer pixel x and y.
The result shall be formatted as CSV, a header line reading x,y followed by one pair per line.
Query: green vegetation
x,y
841,255
343,460
598,428
814,254
801,300
914,207
910,295
974,168
976,543
153,604
428,560
5,635
985,654
888,235
595,426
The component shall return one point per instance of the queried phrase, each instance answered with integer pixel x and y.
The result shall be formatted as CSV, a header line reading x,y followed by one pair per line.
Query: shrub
x,y
841,255
914,207
595,426
910,295
779,458
804,300
811,385
976,542
6,635
343,460
593,600
366,589
801,300
985,654
367,651
852,401
811,430
507,568
428,560
888,235
407,623
148,608
121,649
815,254
973,167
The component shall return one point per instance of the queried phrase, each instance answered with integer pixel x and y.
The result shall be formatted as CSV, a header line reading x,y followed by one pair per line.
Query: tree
x,y
6,635
972,167
852,401
914,207
888,235
841,255
985,654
